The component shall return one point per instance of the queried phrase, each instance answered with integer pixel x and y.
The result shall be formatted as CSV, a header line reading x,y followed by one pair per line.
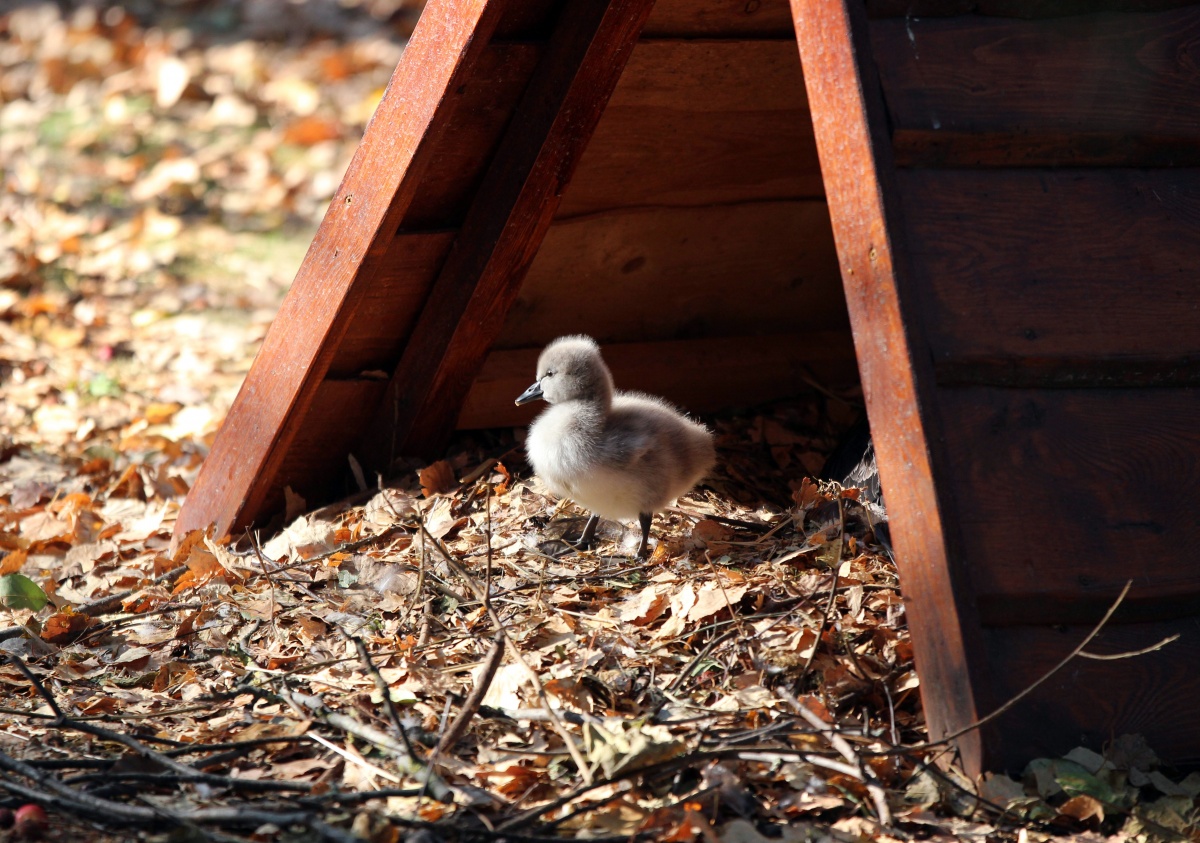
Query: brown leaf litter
x,y
430,663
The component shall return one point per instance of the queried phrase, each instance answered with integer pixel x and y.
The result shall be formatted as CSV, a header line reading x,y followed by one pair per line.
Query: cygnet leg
x,y
644,519
589,532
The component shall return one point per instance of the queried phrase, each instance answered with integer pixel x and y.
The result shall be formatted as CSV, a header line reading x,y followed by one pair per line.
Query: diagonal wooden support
x,y
347,252
856,165
505,226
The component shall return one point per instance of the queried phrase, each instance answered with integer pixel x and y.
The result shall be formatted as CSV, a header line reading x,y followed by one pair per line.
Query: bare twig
x,y
165,762
1037,683
484,681
518,656
862,771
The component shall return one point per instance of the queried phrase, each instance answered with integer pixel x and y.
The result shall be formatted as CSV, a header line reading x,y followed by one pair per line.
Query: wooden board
x,y
1028,9
317,466
737,371
1092,702
1063,495
1112,275
851,130
701,122
1044,324
392,304
663,273
719,19
1081,91
477,112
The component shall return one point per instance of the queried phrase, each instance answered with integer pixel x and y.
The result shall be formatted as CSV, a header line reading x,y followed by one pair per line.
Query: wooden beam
x,y
238,478
502,231
738,371
855,151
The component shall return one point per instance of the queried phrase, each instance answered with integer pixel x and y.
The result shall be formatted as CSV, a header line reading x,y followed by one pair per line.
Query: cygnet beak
x,y
532,394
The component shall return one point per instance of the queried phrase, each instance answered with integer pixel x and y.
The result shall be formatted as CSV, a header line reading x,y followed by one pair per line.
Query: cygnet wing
x,y
651,440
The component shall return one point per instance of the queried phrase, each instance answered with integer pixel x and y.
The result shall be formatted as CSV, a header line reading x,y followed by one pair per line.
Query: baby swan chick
x,y
617,454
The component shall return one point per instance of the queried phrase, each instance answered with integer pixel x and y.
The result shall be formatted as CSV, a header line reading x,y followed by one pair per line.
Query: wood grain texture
x,y
701,375
850,123
1063,495
1092,702
1122,82
1028,9
719,19
504,228
477,111
1053,148
392,304
1069,266
240,477
666,273
701,122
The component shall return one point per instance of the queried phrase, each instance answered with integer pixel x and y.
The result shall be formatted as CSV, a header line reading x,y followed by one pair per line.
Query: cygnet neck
x,y
596,401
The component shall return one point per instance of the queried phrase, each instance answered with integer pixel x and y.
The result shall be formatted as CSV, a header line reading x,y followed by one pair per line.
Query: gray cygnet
x,y
617,454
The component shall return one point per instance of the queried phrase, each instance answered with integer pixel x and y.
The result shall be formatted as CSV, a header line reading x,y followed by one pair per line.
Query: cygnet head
x,y
571,369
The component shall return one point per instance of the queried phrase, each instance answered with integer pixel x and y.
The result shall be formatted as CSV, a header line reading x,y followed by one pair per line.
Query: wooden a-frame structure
x,y
1014,193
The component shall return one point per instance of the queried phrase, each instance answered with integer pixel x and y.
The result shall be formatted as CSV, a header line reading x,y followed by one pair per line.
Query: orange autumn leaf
x,y
437,479
311,130
12,563
64,627
500,469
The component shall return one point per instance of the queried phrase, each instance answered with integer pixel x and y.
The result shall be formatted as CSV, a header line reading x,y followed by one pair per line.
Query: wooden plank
x,y
851,129
502,232
1029,9
1069,373
701,122
666,273
391,306
478,111
1050,268
719,19
1125,82
942,148
1092,702
739,371
239,476
1062,496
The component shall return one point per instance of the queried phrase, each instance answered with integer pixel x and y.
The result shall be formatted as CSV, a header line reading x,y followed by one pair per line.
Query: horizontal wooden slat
x,y
1124,82
392,304
701,122
1069,373
1020,265
703,375
673,273
477,112
1061,496
1031,9
942,148
719,18
1092,702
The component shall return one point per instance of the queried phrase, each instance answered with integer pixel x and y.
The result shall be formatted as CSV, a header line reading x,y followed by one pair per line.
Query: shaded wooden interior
x,y
1013,190
1034,167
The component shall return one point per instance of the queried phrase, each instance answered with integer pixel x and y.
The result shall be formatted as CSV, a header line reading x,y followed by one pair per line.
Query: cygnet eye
x,y
549,374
